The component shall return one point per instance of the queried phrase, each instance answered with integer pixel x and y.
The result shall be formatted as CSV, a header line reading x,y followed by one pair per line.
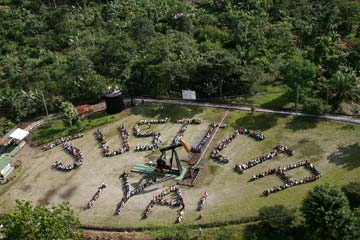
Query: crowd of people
x,y
224,143
153,121
60,141
188,121
156,141
75,153
161,200
179,135
139,133
128,193
258,160
202,201
105,147
257,135
96,195
198,148
288,181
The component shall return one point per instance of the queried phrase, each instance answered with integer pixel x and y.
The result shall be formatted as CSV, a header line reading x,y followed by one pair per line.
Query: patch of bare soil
x,y
103,235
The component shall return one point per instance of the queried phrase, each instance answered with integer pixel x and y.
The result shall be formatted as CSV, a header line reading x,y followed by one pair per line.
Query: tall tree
x,y
70,112
327,213
343,86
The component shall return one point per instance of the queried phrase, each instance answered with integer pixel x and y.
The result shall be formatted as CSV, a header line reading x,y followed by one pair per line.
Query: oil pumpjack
x,y
162,167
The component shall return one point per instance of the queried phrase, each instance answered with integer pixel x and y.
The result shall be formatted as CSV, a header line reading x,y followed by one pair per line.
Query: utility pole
x,y
44,103
297,97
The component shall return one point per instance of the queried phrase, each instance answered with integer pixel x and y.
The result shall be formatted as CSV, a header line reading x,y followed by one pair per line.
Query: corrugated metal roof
x,y
4,141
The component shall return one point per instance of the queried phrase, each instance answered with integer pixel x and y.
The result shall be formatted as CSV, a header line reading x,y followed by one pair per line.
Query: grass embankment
x,y
276,97
59,128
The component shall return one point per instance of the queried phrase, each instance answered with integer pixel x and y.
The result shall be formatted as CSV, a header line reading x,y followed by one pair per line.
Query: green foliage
x,y
352,192
70,112
5,125
327,213
176,233
343,86
276,219
18,104
223,234
316,105
37,223
73,50
298,72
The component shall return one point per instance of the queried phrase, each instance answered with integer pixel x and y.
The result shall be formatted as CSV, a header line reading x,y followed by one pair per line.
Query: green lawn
x,y
332,147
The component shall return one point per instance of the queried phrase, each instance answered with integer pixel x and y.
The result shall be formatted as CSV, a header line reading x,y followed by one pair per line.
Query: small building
x,y
5,167
17,134
9,145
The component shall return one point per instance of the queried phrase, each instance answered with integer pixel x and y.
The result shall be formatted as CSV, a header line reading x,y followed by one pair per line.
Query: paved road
x,y
337,118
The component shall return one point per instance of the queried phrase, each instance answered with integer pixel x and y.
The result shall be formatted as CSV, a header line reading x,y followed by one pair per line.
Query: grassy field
x,y
332,147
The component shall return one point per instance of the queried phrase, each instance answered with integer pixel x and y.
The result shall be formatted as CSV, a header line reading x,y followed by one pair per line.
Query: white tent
x,y
18,134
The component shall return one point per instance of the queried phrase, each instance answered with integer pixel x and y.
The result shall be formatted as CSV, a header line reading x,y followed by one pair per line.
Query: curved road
x,y
337,118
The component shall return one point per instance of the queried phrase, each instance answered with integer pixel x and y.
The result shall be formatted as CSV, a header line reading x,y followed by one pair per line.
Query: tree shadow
x,y
256,121
69,193
348,127
166,110
346,156
279,102
301,123
256,231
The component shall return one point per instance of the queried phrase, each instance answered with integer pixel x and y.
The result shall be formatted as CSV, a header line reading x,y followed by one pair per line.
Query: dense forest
x,y
74,50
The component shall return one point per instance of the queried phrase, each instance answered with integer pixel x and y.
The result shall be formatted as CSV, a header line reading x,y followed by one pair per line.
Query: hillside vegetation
x,y
73,50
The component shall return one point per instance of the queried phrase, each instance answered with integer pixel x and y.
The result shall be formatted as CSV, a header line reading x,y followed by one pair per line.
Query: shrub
x,y
276,218
315,105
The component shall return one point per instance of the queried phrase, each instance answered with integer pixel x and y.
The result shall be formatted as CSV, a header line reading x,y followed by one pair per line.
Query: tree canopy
x,y
39,223
74,50
70,112
327,213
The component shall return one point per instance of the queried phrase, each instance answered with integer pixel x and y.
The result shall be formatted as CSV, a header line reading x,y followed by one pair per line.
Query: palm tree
x,y
343,85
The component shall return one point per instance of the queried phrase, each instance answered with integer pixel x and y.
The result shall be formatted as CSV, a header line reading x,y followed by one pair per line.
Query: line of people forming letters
x,y
240,168
128,193
288,181
105,146
76,155
224,143
161,199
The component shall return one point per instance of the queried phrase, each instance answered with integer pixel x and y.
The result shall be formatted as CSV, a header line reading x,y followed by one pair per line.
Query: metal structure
x,y
162,167
114,102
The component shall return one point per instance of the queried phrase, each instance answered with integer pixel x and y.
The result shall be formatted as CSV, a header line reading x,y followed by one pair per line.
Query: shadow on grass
x,y
256,121
69,193
348,127
166,110
279,102
301,123
346,156
256,231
